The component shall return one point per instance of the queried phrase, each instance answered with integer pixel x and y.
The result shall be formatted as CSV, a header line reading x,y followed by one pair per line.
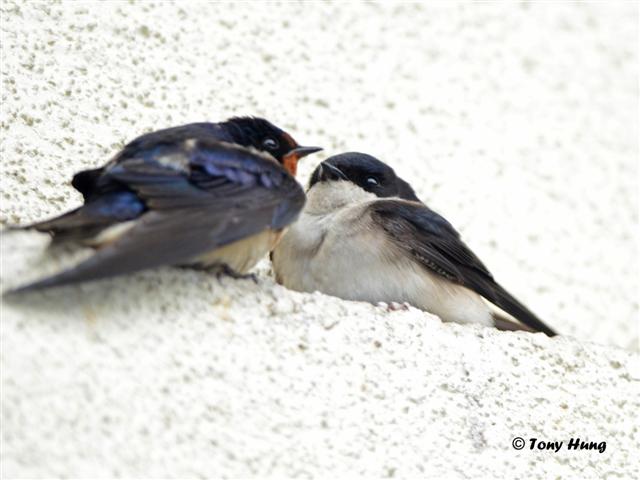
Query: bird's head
x,y
266,137
364,171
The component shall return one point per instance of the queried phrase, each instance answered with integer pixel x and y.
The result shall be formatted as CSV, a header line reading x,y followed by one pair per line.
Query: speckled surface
x,y
517,122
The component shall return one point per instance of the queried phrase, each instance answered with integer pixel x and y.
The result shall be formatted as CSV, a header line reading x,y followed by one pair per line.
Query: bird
x,y
364,235
213,196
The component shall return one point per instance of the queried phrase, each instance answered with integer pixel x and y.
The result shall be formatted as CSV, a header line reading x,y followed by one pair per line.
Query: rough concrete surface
x,y
517,122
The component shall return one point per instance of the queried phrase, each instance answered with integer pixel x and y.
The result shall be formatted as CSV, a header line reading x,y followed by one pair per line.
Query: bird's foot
x,y
394,306
227,271
221,270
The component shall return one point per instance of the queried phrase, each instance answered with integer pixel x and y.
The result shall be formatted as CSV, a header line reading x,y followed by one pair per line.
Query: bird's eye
x,y
372,181
270,143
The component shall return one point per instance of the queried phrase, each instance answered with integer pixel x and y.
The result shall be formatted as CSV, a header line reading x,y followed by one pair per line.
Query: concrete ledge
x,y
169,374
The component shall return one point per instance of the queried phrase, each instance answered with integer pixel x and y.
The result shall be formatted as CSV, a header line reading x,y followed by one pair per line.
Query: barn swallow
x,y
364,235
204,195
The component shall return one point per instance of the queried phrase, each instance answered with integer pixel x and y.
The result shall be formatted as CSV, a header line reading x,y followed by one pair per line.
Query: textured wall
x,y
517,122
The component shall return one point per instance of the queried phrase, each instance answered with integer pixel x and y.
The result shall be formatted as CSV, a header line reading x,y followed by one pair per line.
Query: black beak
x,y
304,151
330,172
325,172
290,160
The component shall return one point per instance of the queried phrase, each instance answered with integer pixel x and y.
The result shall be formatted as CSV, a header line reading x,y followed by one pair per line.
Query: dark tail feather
x,y
94,268
61,222
504,300
141,250
87,220
64,278
69,227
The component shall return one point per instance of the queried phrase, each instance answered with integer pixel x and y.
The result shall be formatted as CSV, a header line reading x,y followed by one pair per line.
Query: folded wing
x,y
435,244
198,196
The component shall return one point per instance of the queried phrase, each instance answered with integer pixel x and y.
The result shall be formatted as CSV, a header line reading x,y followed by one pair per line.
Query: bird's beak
x,y
290,160
304,151
331,172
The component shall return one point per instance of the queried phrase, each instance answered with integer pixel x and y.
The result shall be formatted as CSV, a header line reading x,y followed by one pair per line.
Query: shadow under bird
x,y
203,195
364,235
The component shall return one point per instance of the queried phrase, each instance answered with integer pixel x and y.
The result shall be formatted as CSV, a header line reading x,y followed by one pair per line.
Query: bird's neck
x,y
327,197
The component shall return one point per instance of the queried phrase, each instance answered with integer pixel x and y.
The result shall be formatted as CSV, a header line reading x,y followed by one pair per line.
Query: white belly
x,y
356,263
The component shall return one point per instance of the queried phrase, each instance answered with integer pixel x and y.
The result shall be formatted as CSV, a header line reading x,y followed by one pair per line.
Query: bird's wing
x,y
87,181
199,197
437,246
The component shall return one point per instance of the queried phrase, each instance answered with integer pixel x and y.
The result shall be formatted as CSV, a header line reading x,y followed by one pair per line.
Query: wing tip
x,y
43,284
507,302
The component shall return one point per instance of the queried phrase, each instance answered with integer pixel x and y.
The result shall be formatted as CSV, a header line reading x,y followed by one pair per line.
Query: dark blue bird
x,y
205,195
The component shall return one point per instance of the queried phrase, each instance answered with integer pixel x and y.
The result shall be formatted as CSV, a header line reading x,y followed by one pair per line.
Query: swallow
x,y
204,195
364,235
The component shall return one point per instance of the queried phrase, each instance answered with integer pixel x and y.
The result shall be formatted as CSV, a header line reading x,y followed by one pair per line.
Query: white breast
x,y
336,248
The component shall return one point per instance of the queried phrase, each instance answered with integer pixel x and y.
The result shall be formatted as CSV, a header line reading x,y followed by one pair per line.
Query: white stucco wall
x,y
517,122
